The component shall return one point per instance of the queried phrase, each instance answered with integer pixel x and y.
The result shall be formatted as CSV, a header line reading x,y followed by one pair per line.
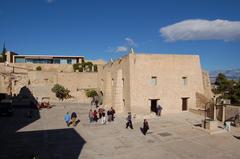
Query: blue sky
x,y
108,28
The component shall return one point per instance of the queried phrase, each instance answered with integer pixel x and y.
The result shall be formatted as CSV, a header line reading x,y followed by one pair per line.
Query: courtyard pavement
x,y
171,136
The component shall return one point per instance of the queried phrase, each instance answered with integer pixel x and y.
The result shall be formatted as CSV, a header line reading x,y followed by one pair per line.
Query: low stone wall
x,y
198,112
25,67
231,111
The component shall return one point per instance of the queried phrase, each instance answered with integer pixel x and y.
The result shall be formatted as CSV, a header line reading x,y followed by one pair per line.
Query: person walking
x,y
159,110
95,117
129,121
100,111
90,115
109,114
96,100
73,118
103,117
145,127
113,113
67,118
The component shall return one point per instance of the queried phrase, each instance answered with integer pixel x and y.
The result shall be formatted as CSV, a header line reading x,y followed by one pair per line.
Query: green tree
x,y
88,66
229,89
90,93
84,66
61,92
222,83
76,66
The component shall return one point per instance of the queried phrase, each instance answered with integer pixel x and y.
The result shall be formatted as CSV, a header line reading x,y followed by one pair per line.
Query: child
x,y
67,118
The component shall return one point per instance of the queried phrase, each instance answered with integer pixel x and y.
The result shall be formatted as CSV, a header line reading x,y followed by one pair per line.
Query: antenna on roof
x,y
4,48
132,51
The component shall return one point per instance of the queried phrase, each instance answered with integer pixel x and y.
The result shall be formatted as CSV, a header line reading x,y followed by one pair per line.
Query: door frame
x,y
185,99
157,99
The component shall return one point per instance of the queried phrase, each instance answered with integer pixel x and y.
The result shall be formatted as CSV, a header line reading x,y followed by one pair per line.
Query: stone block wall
x,y
169,71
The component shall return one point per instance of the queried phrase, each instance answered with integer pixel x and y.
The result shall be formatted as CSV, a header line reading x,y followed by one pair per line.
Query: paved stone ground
x,y
170,136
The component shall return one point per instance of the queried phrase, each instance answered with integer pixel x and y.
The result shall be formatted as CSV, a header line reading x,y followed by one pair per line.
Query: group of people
x,y
95,115
143,129
71,119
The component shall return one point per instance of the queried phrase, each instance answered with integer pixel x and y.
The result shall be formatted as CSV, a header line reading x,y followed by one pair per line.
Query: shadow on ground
x,y
237,137
43,144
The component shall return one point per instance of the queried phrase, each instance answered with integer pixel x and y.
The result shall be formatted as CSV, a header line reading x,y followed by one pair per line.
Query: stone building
x,y
136,82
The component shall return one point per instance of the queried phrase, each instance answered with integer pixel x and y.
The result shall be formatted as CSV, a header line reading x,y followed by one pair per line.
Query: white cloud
x,y
124,47
50,1
121,49
130,42
199,29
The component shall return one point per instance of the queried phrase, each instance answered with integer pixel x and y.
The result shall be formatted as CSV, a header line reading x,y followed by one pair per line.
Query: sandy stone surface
x,y
171,136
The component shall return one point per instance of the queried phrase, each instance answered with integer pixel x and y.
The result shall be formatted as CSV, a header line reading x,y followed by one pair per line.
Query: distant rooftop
x,y
47,56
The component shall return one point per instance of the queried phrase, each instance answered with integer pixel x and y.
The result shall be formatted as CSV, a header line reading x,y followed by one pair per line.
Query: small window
x,y
122,81
154,81
185,81
112,81
69,61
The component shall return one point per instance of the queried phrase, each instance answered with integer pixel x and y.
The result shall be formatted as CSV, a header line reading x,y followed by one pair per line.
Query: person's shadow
x,y
18,141
141,129
237,137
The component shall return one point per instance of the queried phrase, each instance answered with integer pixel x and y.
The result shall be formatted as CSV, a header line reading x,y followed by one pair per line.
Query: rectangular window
x,y
19,60
185,81
56,61
74,61
69,61
154,81
122,82
41,61
63,61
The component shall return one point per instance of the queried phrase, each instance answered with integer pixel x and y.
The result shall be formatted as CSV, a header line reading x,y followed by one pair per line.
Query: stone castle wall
x,y
40,83
115,83
169,71
126,83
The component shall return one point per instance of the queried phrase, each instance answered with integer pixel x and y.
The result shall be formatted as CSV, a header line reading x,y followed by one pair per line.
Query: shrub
x,y
80,69
88,66
39,68
90,93
61,92
85,66
76,66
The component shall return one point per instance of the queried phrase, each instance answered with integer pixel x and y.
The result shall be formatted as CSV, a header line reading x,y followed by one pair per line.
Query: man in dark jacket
x,y
145,127
129,121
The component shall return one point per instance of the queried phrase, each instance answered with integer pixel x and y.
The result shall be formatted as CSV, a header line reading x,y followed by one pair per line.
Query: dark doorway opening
x,y
154,105
184,104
